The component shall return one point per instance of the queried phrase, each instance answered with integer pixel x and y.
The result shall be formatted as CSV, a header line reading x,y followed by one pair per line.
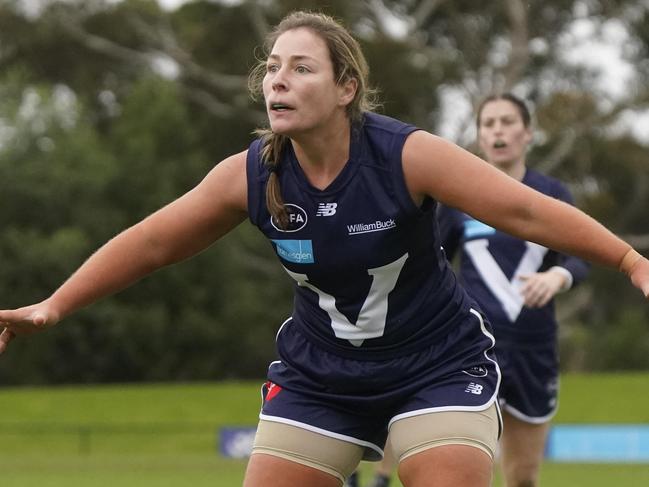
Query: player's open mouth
x,y
499,144
280,107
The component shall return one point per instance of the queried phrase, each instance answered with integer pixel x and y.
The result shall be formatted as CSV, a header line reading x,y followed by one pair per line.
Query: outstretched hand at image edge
x,y
636,267
24,321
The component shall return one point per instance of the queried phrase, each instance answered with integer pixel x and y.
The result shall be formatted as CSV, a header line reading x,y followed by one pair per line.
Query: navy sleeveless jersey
x,y
370,278
491,262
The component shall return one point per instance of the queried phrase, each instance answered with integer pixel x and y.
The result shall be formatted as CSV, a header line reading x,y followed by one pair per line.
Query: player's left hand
x,y
539,288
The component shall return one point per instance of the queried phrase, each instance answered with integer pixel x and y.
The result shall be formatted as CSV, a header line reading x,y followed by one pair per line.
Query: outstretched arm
x,y
540,287
457,178
181,229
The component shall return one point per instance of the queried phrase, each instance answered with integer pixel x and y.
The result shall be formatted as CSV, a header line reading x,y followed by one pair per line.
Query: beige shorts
x,y
408,436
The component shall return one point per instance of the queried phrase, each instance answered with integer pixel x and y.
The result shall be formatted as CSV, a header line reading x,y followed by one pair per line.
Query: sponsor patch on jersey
x,y
296,219
377,226
475,228
297,251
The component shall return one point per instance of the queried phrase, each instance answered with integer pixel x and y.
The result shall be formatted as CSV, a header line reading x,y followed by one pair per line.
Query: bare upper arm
x,y
444,171
454,176
202,215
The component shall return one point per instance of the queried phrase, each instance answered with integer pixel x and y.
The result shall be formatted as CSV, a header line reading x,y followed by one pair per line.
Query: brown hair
x,y
510,97
348,63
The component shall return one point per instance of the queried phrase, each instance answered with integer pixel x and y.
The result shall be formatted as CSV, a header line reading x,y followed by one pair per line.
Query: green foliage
x,y
185,322
94,136
405,89
623,347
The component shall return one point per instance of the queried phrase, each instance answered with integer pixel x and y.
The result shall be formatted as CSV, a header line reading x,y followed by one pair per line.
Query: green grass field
x,y
166,435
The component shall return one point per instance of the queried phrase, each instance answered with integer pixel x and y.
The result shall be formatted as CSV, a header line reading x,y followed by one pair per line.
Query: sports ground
x,y
167,435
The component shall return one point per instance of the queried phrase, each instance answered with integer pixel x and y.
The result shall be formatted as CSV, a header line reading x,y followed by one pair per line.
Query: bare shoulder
x,y
442,170
429,160
227,182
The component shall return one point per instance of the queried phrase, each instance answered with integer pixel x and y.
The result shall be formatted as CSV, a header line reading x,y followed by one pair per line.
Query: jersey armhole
x,y
253,176
404,197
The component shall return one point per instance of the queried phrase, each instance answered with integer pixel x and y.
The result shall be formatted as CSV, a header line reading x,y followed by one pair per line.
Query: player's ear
x,y
529,135
347,91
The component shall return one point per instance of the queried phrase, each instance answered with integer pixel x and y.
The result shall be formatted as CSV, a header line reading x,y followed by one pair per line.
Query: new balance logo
x,y
326,209
474,388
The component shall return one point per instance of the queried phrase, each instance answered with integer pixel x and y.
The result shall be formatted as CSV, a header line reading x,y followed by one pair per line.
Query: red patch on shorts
x,y
272,390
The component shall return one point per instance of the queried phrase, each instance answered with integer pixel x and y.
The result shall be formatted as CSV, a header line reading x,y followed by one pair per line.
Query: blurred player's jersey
x,y
370,277
492,261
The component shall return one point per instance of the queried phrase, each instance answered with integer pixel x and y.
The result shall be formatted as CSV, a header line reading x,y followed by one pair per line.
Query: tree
x,y
91,112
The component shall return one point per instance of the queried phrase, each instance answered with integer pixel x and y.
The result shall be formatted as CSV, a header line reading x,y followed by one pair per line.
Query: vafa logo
x,y
297,218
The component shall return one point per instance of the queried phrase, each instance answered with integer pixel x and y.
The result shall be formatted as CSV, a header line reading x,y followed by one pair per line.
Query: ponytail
x,y
273,146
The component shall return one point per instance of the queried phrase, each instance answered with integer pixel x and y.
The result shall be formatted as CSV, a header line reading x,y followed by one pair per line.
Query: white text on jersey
x,y
377,226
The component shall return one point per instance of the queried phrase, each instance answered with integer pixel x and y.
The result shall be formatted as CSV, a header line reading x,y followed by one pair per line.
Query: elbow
x,y
526,221
519,221
154,252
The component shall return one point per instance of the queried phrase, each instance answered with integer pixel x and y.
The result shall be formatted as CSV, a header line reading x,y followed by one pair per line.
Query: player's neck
x,y
323,153
515,170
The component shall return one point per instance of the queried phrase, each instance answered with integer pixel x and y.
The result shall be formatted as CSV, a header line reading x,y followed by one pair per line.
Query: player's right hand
x,y
25,321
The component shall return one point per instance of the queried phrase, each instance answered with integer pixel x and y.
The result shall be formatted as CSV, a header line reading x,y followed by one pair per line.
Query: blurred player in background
x,y
515,282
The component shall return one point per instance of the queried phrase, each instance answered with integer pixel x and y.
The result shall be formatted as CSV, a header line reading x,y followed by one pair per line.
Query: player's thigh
x,y
453,448
523,443
288,455
425,430
447,466
272,471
